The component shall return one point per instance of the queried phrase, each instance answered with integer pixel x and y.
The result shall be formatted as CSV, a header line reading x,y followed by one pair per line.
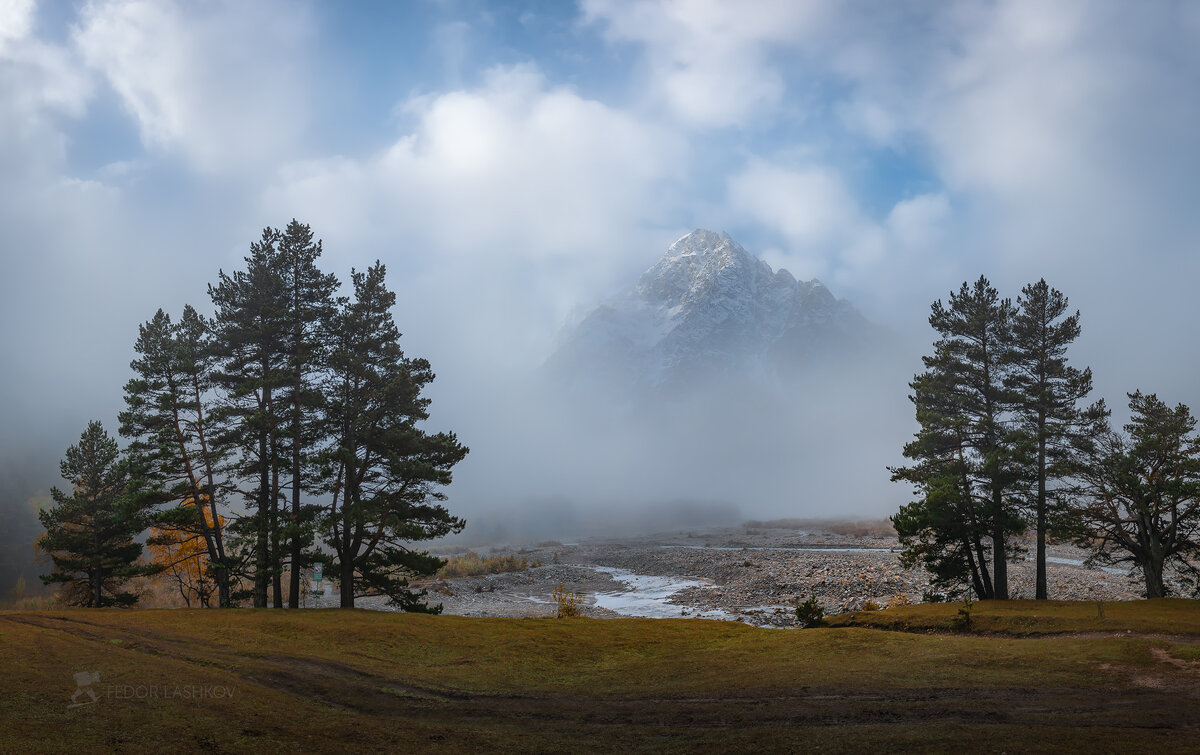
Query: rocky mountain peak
x,y
709,306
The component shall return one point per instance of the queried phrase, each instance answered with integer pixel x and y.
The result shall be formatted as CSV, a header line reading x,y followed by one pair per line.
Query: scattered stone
x,y
756,576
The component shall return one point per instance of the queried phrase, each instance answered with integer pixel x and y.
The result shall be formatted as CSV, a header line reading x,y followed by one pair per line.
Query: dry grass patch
x,y
472,564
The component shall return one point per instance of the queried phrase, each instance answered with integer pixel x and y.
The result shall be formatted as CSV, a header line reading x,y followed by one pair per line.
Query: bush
x,y
870,605
810,614
569,604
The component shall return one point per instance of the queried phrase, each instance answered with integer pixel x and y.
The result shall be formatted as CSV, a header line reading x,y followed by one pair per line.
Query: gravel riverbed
x,y
749,574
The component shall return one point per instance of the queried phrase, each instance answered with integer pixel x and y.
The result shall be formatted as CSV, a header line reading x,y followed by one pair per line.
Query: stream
x,y
647,596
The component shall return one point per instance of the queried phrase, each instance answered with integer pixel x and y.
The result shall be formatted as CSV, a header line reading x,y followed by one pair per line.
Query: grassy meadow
x,y
1025,677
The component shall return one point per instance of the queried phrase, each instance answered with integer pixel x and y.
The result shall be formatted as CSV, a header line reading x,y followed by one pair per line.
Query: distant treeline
x,y
1005,445
20,483
282,432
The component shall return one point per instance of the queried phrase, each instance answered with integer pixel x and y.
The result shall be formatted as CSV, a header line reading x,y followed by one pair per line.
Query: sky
x,y
515,163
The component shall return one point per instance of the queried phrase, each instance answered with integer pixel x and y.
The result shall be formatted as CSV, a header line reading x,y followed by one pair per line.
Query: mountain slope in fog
x,y
714,387
709,309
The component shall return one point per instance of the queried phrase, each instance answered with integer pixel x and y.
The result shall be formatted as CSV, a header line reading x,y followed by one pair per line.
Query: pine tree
x,y
309,310
971,461
249,330
1047,391
945,528
90,532
1137,495
382,472
174,446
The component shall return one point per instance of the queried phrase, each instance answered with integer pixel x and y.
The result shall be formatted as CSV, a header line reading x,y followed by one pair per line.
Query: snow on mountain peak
x,y
706,305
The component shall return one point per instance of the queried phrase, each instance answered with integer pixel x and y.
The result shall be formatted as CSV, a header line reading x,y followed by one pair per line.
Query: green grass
x,y
357,680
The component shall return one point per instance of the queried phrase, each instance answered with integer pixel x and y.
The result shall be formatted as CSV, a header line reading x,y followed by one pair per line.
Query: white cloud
x,y
531,196
709,59
38,76
16,20
810,206
919,222
221,83
826,232
537,172
41,84
1010,113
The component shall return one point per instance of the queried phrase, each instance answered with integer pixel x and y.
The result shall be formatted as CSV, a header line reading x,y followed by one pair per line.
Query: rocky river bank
x,y
751,574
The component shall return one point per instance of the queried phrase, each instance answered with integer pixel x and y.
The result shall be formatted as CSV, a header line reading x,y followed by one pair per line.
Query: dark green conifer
x,y
383,472
968,461
90,532
1137,494
946,529
174,443
1046,393
249,329
309,310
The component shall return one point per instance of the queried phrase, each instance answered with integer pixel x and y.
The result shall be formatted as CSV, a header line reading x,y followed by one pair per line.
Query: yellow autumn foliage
x,y
184,558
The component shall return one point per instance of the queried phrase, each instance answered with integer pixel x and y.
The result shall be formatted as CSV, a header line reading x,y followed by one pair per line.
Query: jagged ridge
x,y
708,307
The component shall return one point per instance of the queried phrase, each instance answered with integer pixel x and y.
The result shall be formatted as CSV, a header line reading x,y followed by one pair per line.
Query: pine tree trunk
x,y
276,550
988,591
999,555
1152,564
347,583
296,556
1154,579
96,577
262,561
976,581
985,579
1040,591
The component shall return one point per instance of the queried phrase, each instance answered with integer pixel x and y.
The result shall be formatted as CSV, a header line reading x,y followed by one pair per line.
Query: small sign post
x,y
318,575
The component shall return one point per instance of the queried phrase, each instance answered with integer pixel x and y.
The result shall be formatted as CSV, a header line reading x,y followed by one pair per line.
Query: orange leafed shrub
x,y
184,557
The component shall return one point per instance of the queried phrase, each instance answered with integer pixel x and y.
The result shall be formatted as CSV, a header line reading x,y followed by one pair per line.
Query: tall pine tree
x,y
90,532
249,335
174,443
971,461
1046,393
383,472
308,315
945,529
